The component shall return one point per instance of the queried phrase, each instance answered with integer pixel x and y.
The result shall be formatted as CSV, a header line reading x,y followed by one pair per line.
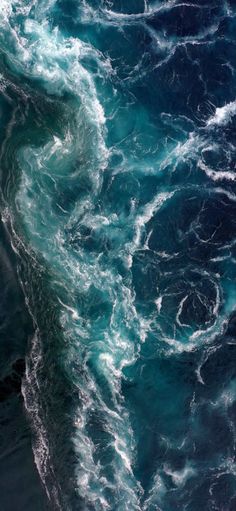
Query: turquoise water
x,y
118,209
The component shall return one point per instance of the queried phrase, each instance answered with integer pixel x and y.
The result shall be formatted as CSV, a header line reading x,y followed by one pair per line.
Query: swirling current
x,y
118,255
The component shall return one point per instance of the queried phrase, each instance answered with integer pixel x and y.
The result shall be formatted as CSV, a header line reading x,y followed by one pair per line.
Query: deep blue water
x,y
118,255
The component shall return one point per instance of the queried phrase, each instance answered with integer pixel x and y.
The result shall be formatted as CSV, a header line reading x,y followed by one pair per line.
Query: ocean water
x,y
118,255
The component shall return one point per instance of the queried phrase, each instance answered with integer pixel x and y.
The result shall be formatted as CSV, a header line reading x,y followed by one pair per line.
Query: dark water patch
x,y
185,20
20,485
152,380
11,384
219,368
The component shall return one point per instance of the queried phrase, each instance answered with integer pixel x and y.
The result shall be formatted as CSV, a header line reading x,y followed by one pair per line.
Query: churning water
x,y
118,255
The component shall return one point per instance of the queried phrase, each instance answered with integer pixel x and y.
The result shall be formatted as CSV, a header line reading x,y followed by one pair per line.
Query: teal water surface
x,y
118,220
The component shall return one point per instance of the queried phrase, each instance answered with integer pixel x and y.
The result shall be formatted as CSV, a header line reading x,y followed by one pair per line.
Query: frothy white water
x,y
222,115
179,477
46,56
43,54
217,175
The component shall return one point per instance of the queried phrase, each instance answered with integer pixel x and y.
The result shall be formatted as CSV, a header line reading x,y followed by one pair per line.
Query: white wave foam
x,y
217,175
148,212
222,115
179,477
46,56
180,310
227,397
158,303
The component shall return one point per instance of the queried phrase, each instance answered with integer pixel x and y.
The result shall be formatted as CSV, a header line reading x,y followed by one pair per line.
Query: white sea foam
x,y
5,10
148,212
222,115
179,477
55,61
227,397
180,310
158,303
217,175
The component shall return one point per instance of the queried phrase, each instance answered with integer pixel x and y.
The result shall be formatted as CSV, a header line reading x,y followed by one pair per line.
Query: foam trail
x,y
223,115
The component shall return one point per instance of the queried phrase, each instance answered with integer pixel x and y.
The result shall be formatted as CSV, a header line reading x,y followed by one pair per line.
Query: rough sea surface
x,y
118,255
